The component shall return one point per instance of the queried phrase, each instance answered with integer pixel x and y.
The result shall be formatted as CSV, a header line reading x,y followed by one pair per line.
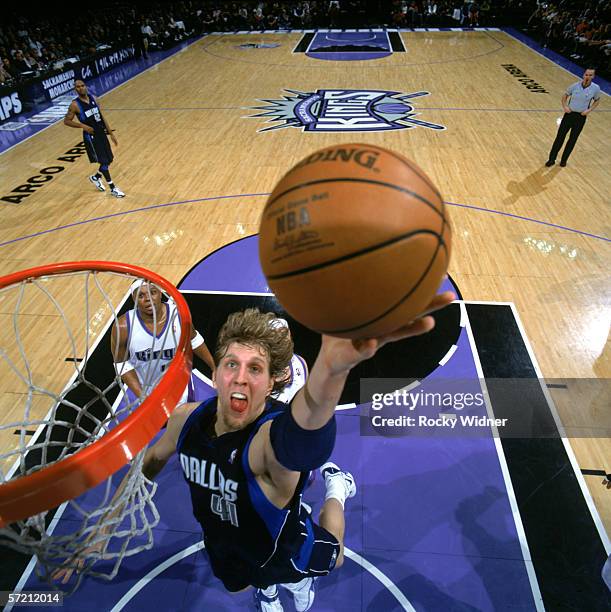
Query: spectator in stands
x,y
430,13
32,62
580,30
20,63
5,77
8,67
208,22
148,34
137,38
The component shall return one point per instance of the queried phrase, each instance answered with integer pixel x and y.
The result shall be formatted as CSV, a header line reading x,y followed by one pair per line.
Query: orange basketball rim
x,y
70,477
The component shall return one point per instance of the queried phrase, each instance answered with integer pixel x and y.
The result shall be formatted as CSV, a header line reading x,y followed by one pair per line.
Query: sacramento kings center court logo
x,y
344,110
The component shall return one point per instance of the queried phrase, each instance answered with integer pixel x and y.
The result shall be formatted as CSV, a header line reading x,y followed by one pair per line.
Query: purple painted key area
x,y
375,45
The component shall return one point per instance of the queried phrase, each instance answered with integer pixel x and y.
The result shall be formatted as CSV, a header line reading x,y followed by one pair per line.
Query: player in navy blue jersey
x,y
84,113
247,457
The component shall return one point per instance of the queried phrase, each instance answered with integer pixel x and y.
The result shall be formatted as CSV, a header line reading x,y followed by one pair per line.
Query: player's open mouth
x,y
238,402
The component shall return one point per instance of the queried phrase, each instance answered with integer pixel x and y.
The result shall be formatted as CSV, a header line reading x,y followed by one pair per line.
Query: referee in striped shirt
x,y
578,101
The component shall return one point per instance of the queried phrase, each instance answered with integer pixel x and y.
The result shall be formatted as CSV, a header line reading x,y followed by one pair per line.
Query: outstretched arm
x,y
158,454
315,404
303,437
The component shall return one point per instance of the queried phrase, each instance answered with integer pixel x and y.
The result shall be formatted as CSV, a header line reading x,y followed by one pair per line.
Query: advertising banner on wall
x,y
20,98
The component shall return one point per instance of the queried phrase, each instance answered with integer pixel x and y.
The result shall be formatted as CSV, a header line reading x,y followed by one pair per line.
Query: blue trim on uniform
x,y
273,517
302,560
194,416
292,373
81,114
167,322
304,365
128,323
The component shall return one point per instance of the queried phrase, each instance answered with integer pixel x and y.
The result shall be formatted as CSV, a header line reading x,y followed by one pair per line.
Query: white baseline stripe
x,y
463,314
532,578
448,355
485,302
345,407
197,291
567,445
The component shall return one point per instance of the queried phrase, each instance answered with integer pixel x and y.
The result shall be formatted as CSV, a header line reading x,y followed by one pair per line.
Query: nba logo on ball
x,y
355,241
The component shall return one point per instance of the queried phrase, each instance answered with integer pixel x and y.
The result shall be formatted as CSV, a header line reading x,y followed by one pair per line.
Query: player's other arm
x,y
158,454
118,345
71,119
314,405
302,438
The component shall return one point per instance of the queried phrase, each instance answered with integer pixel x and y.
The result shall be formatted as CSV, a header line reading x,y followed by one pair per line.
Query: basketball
x,y
354,241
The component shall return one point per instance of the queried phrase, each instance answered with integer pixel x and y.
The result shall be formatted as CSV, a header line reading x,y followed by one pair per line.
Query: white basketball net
x,y
56,401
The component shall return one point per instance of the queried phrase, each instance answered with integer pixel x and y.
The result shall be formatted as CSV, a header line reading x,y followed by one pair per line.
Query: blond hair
x,y
254,328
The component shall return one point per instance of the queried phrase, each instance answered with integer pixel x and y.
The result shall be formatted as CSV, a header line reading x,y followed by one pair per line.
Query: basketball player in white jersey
x,y
296,373
144,342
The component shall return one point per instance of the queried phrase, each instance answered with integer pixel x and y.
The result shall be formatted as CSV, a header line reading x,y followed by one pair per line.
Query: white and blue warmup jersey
x,y
150,355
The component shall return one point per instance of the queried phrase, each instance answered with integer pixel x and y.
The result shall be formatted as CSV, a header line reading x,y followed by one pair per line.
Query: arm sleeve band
x,y
123,367
197,341
301,449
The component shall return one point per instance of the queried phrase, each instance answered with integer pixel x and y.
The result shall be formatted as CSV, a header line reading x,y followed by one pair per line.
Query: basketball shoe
x,y
267,600
340,485
303,593
97,182
116,192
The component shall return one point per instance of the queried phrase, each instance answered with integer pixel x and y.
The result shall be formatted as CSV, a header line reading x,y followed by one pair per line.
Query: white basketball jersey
x,y
299,374
151,355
